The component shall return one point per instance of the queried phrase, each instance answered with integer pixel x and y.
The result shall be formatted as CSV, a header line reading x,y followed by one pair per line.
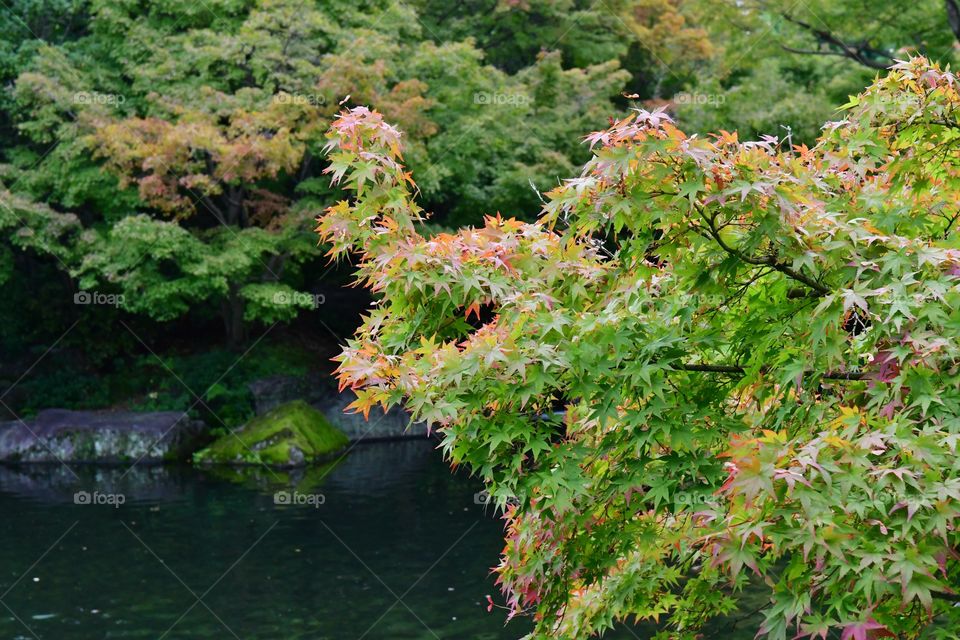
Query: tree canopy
x,y
153,123
708,363
182,140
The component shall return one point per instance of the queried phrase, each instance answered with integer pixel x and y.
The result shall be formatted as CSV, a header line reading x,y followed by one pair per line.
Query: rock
x,y
269,393
392,425
59,435
318,391
291,435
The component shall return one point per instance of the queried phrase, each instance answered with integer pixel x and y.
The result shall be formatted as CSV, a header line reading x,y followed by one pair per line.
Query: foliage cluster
x,y
167,153
707,360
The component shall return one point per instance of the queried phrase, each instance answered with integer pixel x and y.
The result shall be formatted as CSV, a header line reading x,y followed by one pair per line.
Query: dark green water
x,y
393,524
398,550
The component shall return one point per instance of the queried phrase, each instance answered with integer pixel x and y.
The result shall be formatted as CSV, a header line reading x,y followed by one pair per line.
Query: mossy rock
x,y
291,435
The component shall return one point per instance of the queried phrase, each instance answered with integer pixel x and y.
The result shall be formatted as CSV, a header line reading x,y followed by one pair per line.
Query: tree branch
x,y
949,597
814,52
862,52
769,261
735,370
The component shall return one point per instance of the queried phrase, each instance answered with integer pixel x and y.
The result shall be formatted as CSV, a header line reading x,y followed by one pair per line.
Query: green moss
x,y
290,435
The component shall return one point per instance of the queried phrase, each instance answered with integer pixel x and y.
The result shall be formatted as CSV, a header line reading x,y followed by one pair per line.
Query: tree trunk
x,y
231,311
953,17
236,212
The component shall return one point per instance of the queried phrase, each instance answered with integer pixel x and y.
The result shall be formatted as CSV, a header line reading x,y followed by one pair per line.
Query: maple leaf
x,y
861,630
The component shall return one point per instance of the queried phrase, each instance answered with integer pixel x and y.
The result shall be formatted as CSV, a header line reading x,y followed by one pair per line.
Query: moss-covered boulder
x,y
291,435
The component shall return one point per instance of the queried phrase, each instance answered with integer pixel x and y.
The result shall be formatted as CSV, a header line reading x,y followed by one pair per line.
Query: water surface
x,y
398,549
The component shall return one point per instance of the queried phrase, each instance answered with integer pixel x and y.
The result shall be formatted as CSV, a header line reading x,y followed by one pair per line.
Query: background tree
x,y
184,139
870,34
782,68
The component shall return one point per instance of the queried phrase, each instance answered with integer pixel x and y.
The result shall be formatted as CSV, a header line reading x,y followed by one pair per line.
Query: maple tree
x,y
512,33
709,363
673,41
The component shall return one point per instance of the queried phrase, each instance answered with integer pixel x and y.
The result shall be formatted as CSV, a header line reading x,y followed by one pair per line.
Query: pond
x,y
385,545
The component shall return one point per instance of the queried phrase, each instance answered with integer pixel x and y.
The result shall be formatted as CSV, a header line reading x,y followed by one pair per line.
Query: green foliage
x,y
782,64
218,376
182,140
514,135
512,34
33,227
870,34
708,359
163,270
